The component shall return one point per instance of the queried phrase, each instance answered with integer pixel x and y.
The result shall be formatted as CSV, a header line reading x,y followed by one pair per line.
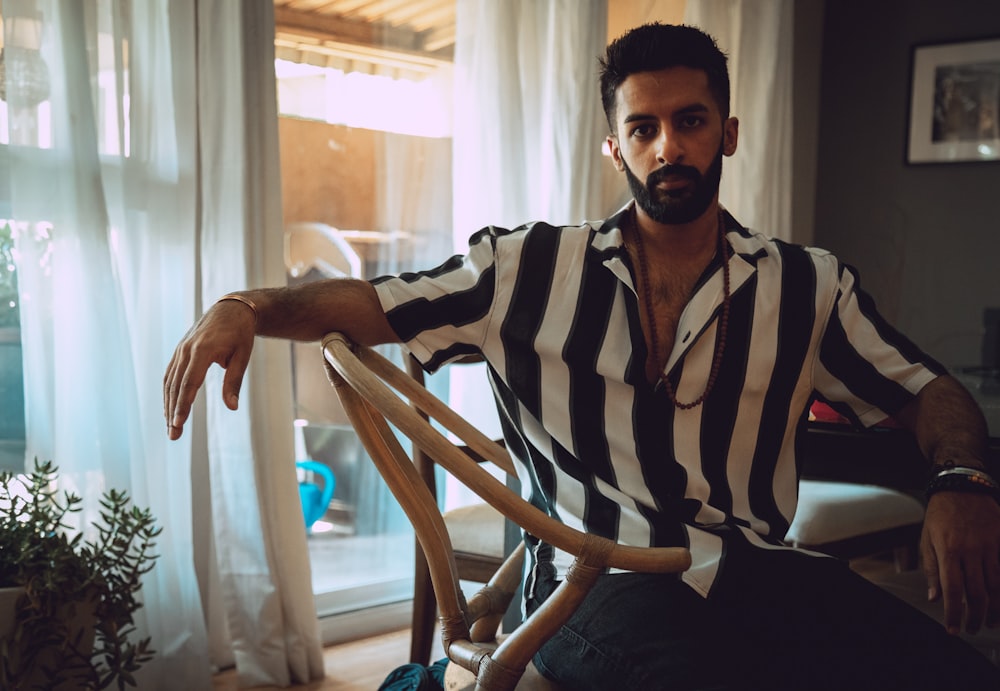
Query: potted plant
x,y
70,601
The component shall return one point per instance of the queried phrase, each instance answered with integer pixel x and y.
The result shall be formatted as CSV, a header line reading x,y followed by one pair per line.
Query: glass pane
x,y
361,545
11,377
365,135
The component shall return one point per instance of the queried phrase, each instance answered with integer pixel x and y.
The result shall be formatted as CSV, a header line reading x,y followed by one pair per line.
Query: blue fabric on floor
x,y
436,671
414,677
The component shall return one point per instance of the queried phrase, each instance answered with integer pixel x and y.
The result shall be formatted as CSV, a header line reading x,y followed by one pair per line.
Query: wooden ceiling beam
x,y
325,27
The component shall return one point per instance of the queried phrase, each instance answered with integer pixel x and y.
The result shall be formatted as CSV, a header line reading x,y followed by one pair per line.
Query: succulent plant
x,y
73,617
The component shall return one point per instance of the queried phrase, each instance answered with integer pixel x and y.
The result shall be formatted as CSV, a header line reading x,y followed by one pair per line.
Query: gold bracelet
x,y
245,300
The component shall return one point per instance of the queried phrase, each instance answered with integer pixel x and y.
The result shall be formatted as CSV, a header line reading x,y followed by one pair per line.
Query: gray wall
x,y
926,238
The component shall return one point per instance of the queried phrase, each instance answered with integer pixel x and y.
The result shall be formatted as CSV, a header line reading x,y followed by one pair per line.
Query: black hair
x,y
658,46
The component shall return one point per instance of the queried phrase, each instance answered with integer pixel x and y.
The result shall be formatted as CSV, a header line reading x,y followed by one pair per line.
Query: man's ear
x,y
730,135
616,153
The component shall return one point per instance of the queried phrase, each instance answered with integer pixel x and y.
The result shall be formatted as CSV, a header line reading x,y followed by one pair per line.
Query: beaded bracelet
x,y
245,300
948,465
963,479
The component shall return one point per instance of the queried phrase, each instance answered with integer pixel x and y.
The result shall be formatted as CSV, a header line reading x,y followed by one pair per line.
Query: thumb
x,y
930,567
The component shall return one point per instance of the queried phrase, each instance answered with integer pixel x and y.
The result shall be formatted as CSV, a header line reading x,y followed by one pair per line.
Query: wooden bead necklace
x,y
720,343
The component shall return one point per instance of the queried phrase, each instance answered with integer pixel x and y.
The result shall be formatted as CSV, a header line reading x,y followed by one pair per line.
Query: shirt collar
x,y
608,238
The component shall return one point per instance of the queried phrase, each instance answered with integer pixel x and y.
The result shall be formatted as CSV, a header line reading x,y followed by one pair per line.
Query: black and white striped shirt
x,y
555,313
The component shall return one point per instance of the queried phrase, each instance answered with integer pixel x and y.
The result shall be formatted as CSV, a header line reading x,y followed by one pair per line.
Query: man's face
x,y
670,139
676,204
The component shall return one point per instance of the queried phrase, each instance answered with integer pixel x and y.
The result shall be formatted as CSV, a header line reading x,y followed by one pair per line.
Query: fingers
x,y
232,382
945,581
975,596
968,584
982,592
170,397
991,568
929,560
181,383
952,587
216,339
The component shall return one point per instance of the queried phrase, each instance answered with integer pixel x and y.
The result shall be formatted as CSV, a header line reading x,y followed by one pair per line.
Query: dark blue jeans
x,y
778,621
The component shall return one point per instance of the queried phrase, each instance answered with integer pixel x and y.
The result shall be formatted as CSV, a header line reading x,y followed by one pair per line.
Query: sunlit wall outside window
x,y
420,107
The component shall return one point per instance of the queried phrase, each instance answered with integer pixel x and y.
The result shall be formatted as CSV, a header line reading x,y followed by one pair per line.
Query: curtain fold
x,y
144,186
757,37
528,119
261,545
527,137
100,210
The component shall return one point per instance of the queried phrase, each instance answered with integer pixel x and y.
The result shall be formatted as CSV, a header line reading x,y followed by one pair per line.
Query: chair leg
x,y
424,611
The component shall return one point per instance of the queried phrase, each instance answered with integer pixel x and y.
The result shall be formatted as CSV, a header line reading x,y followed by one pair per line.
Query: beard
x,y
674,207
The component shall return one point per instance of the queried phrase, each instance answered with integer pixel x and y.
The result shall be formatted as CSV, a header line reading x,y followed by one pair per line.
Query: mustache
x,y
675,170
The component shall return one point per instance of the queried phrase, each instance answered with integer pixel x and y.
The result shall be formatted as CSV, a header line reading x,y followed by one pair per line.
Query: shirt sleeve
x,y
867,367
442,314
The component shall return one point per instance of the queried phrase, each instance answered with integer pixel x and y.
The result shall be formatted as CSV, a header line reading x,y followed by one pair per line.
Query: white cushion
x,y
831,511
827,512
476,528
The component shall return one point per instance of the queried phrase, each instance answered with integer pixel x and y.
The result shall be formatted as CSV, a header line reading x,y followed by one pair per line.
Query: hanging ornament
x,y
24,76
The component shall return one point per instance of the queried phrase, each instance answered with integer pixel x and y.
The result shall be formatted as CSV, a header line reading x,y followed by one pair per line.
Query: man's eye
x,y
642,131
690,121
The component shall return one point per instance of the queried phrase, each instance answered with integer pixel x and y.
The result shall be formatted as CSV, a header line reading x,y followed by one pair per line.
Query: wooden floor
x,y
356,666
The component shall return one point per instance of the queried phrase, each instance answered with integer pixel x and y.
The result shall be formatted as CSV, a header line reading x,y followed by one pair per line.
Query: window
x,y
365,136
26,121
11,380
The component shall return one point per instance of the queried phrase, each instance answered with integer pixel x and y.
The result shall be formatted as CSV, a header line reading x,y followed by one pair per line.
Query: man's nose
x,y
670,148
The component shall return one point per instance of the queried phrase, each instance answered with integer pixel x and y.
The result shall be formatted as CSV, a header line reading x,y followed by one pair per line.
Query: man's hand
x,y
224,336
960,547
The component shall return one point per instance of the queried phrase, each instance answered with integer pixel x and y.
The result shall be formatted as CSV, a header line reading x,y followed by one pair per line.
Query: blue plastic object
x,y
314,498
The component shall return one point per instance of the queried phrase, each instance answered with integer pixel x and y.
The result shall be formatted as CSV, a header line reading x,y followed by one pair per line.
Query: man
x,y
652,372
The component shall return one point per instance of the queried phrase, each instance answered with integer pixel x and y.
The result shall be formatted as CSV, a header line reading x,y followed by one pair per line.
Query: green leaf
x,y
64,574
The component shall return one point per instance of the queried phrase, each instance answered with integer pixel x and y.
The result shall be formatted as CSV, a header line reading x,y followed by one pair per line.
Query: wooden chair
x,y
477,533
469,627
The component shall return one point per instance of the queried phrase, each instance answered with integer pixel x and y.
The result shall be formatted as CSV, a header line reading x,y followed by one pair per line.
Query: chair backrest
x,y
363,379
424,463
480,536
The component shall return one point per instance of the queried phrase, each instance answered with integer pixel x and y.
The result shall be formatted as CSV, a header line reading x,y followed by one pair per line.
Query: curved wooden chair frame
x,y
474,561
363,379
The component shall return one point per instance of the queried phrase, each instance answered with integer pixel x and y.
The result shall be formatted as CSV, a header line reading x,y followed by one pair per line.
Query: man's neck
x,y
693,242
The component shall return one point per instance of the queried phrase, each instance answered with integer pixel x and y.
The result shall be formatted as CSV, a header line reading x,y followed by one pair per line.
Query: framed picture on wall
x,y
955,102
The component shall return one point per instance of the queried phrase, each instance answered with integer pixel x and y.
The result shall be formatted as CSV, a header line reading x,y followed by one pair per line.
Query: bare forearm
x,y
310,311
947,423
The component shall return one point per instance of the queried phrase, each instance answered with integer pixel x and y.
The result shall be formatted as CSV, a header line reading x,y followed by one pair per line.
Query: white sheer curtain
x,y
143,187
262,555
757,37
528,120
98,291
528,129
